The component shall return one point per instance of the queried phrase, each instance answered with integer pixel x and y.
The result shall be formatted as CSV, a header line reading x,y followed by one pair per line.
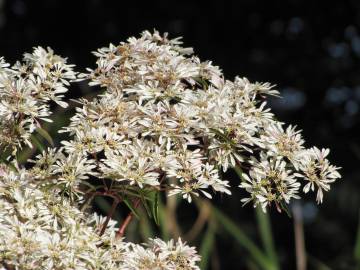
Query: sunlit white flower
x,y
270,182
288,143
25,92
41,228
72,170
316,169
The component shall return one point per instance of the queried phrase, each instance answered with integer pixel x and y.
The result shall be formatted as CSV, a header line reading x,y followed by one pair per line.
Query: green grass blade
x,y
258,255
145,204
207,245
264,226
155,208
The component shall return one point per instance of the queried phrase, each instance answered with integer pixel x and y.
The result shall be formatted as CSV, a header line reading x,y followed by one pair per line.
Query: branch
x,y
126,222
109,216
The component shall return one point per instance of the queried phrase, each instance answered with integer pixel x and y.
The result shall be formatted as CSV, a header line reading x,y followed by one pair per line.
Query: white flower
x,y
316,169
165,122
136,170
72,170
3,64
288,143
270,182
25,92
254,90
41,228
225,153
211,177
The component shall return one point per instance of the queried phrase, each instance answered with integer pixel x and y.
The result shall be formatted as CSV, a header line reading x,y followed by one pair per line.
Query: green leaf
x,y
45,135
131,192
224,137
202,82
207,245
37,143
146,228
264,226
285,207
258,255
132,209
24,155
162,220
239,172
155,208
145,203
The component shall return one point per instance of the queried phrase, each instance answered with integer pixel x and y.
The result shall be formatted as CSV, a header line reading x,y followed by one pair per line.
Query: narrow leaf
x,y
258,255
37,143
162,220
45,135
264,226
285,207
146,228
132,209
155,208
207,245
145,203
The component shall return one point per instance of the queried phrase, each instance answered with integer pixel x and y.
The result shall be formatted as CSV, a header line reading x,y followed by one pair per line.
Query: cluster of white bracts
x,y
26,90
168,120
165,122
39,229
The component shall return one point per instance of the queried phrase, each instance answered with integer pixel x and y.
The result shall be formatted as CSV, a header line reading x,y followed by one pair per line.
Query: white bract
x,y
26,90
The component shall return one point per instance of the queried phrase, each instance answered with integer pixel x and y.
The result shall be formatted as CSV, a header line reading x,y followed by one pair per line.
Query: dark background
x,y
309,49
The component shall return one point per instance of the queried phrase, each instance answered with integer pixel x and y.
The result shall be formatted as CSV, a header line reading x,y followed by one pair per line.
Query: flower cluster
x,y
26,90
168,121
164,122
43,230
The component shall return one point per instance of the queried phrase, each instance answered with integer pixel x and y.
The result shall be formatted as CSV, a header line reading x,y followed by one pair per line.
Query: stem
x,y
299,238
108,194
87,202
109,216
126,222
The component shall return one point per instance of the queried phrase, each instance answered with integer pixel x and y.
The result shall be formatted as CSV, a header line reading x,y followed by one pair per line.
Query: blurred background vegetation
x,y
310,49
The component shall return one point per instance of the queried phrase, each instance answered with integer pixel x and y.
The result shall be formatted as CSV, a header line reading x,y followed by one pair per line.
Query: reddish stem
x,y
109,216
110,194
126,222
